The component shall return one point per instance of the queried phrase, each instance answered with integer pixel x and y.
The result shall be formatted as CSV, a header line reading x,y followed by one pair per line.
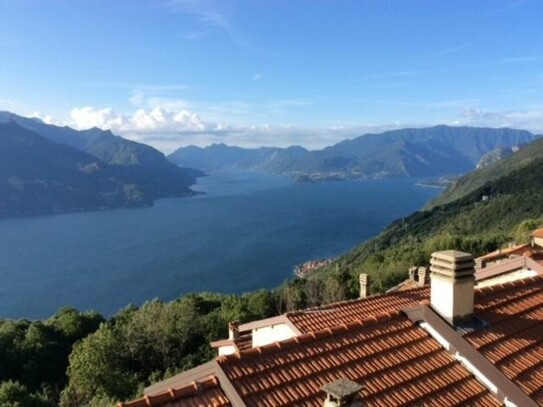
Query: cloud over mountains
x,y
154,120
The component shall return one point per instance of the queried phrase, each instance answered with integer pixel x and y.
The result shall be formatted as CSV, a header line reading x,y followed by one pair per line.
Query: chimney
x,y
233,330
453,280
342,393
413,273
364,285
423,276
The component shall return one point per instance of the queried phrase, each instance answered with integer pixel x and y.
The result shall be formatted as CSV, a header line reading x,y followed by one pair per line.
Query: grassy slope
x,y
478,178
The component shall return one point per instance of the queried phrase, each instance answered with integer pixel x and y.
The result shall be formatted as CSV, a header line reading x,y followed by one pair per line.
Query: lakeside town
x,y
304,269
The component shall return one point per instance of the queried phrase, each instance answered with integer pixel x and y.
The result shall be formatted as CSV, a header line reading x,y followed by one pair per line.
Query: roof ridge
x,y
307,337
508,285
338,303
172,394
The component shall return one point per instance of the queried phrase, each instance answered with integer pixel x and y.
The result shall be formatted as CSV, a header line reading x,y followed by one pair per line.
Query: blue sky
x,y
281,72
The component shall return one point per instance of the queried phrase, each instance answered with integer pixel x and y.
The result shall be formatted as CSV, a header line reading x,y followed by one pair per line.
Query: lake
x,y
246,232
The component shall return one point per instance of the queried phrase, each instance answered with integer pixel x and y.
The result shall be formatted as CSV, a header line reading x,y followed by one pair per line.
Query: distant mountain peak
x,y
416,152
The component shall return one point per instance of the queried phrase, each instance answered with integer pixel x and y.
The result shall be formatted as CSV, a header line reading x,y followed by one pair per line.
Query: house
x,y
537,238
533,250
447,343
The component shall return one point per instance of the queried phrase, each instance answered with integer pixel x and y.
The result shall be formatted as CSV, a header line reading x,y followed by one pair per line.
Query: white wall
x,y
270,334
227,350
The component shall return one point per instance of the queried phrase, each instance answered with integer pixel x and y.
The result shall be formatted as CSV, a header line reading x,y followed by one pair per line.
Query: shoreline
x,y
304,269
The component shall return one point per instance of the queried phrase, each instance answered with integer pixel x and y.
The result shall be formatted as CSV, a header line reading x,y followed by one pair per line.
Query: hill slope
x,y
39,176
149,165
514,207
476,179
425,152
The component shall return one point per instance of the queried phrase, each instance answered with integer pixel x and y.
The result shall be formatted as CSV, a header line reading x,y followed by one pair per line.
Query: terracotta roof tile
x,y
508,251
513,341
244,341
206,392
315,319
395,360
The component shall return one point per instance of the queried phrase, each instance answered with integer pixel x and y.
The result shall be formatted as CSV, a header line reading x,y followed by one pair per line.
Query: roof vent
x,y
364,280
423,276
233,330
342,393
452,285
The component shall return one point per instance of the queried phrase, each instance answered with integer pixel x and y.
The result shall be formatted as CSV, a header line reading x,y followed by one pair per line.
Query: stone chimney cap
x,y
452,255
342,388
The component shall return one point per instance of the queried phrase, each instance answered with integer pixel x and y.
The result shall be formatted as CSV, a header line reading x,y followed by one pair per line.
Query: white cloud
x,y
87,117
158,119
258,76
453,49
7,103
210,19
394,74
520,60
46,118
528,119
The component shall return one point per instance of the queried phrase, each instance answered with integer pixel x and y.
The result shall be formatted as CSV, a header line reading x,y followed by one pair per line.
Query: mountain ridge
x,y
50,175
411,152
491,172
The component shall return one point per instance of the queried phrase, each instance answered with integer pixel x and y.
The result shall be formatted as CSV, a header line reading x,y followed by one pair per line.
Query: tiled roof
x,y
404,285
315,319
202,393
513,341
538,233
244,341
396,361
508,251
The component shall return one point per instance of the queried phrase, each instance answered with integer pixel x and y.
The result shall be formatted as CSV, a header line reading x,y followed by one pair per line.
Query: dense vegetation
x,y
34,356
80,359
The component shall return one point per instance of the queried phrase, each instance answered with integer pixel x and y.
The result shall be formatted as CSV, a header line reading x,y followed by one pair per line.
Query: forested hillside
x,y
473,180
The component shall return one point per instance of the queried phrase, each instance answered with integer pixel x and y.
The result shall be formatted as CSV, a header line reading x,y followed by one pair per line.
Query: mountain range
x,y
49,169
412,152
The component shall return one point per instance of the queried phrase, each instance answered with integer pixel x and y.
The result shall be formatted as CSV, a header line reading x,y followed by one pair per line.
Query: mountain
x,y
504,206
487,173
499,153
218,157
423,152
49,169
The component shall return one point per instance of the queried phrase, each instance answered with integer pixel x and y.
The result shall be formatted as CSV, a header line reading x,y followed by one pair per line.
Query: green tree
x,y
14,394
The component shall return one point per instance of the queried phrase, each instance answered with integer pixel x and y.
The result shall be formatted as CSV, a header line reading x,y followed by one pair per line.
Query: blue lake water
x,y
245,233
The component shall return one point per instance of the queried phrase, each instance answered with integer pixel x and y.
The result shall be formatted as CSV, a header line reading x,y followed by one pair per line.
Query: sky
x,y
271,72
